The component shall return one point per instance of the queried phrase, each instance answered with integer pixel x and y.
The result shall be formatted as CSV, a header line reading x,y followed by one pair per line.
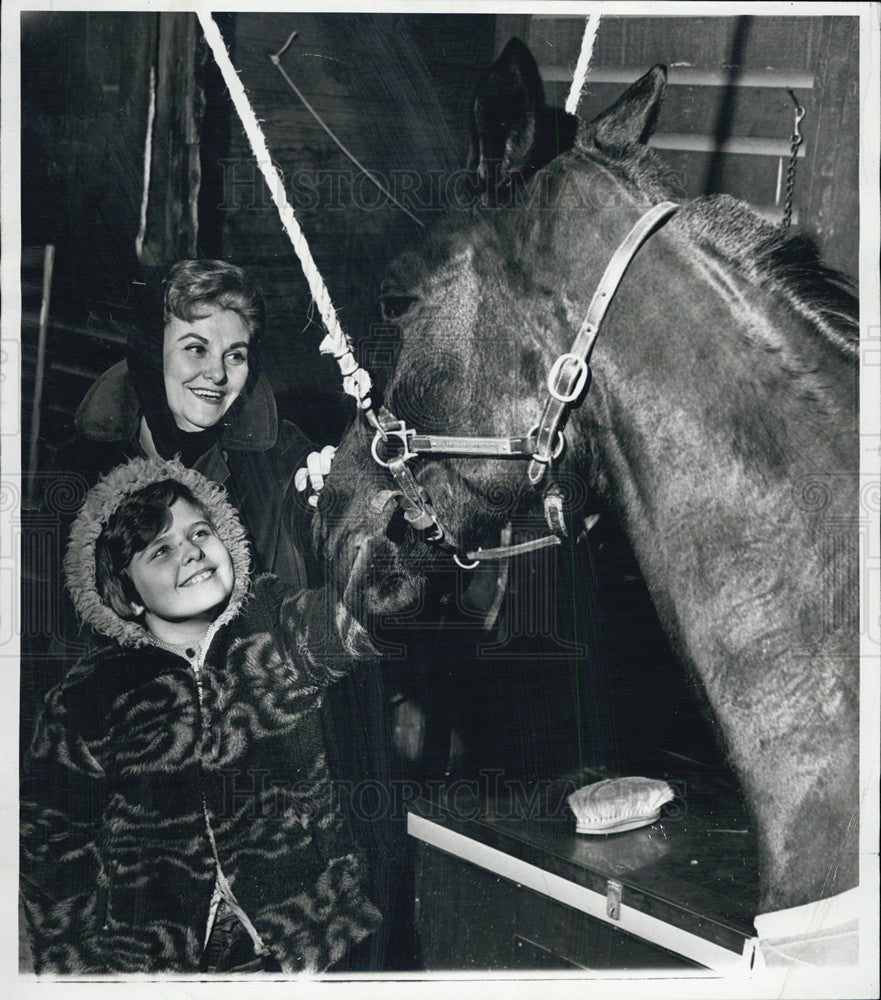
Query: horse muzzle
x,y
378,583
365,560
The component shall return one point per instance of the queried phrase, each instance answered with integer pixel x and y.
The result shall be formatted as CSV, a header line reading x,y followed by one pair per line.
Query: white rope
x,y
148,160
591,27
356,381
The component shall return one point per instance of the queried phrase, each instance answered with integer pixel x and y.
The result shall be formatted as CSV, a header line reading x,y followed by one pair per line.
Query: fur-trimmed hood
x,y
102,500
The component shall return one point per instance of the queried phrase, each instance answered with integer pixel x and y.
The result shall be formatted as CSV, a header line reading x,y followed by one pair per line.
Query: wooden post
x,y
48,266
172,209
827,184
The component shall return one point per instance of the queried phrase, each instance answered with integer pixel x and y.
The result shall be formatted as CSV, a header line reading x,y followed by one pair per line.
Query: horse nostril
x,y
396,529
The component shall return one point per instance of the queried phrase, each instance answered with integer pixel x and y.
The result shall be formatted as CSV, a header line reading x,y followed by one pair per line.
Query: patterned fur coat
x,y
153,768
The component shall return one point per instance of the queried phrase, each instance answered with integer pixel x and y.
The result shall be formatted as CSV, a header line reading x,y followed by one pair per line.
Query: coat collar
x,y
110,412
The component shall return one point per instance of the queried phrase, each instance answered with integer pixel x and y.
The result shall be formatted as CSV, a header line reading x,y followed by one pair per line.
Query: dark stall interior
x,y
588,681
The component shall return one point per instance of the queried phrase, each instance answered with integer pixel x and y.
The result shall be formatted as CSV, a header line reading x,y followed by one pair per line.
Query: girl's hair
x,y
192,285
129,530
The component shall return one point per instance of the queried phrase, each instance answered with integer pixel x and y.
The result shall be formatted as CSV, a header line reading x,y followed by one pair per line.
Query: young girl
x,y
177,782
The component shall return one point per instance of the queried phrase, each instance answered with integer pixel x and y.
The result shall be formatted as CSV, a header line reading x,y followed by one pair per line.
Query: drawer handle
x,y
613,900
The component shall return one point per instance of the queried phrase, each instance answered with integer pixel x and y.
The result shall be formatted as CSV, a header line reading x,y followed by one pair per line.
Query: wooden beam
x,y
172,217
827,185
747,144
690,76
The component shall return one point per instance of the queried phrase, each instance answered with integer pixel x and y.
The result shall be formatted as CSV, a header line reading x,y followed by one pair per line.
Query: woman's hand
x,y
312,476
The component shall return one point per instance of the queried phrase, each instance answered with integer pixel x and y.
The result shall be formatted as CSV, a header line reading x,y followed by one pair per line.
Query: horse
x,y
716,422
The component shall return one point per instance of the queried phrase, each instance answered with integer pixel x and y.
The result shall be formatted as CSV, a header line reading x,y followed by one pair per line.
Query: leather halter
x,y
567,382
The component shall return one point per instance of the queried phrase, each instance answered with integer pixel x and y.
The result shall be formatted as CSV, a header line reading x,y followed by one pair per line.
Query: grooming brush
x,y
619,804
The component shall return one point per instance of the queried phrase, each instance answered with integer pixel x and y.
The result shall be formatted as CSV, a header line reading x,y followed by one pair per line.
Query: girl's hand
x,y
312,476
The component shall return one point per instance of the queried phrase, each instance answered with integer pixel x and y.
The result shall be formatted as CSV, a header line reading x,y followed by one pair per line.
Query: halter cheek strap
x,y
569,376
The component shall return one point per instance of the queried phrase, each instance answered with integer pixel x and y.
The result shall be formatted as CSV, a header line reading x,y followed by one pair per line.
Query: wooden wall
x,y
85,84
395,90
85,90
728,83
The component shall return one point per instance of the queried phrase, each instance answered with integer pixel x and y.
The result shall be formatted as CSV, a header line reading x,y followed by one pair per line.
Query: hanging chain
x,y
796,140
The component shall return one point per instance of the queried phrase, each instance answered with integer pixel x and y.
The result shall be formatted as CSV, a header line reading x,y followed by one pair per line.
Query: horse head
x,y
482,314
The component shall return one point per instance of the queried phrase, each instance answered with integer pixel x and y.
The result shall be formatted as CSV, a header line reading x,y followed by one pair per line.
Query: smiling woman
x,y
195,383
205,366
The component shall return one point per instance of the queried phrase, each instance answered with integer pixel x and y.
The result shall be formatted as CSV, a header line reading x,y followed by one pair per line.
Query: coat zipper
x,y
223,890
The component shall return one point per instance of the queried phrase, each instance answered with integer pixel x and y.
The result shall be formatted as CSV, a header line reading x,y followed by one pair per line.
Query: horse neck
x,y
726,428
708,423
697,363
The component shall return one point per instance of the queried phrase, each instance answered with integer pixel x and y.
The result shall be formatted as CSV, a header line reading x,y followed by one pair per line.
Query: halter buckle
x,y
580,380
403,433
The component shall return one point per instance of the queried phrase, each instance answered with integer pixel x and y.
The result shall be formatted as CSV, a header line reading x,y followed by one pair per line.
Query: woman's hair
x,y
192,285
129,530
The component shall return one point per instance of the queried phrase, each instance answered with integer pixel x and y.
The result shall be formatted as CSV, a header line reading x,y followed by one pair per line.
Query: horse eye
x,y
394,306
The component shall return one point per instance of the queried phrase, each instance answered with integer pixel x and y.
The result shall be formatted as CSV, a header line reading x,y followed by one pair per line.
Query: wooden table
x,y
507,883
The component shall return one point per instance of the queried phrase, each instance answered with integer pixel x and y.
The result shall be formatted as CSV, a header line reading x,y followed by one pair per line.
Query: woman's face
x,y
205,365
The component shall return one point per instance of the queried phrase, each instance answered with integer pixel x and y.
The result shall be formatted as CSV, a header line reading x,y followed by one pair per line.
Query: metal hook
x,y
799,114
470,565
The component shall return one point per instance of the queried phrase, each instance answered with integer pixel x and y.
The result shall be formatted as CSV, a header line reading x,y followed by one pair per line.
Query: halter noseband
x,y
567,382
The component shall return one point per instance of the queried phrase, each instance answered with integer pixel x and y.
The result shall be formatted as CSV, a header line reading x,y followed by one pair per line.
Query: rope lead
x,y
356,381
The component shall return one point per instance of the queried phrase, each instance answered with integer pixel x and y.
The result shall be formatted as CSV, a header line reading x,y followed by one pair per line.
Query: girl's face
x,y
205,366
185,574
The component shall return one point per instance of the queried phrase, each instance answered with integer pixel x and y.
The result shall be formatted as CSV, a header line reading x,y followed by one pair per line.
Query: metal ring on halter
x,y
459,562
558,449
580,382
403,433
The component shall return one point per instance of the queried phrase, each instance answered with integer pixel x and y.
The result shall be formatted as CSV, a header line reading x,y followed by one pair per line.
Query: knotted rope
x,y
356,381
148,161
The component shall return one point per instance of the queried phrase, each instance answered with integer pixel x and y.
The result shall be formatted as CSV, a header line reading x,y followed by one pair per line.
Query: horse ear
x,y
633,117
508,112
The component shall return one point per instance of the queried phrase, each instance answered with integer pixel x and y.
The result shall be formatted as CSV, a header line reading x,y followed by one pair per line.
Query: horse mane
x,y
769,256
774,258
